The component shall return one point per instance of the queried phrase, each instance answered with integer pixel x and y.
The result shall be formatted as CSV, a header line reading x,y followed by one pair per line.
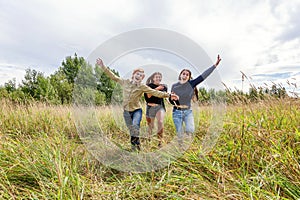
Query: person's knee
x,y
160,121
148,119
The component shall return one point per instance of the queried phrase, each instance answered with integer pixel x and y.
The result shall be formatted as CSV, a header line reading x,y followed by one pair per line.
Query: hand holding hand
x,y
174,97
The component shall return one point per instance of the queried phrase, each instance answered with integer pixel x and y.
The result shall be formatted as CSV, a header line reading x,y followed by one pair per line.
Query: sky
x,y
260,38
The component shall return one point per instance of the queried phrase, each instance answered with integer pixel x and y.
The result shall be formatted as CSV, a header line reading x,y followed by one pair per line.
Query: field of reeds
x,y
257,156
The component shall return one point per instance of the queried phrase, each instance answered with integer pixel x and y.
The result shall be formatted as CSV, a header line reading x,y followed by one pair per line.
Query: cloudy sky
x,y
258,37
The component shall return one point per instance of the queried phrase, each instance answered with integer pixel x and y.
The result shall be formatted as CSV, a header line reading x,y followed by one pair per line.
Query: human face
x,y
184,76
138,77
157,79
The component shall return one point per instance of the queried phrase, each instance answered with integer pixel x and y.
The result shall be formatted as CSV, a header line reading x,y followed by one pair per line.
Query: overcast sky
x,y
258,37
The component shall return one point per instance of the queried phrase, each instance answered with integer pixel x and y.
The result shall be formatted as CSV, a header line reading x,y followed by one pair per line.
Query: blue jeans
x,y
186,117
133,121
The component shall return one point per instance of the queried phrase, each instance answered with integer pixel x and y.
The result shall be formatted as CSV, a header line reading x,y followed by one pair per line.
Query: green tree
x,y
18,96
71,66
45,91
62,87
203,95
10,86
3,92
30,84
107,86
85,87
278,91
253,94
63,80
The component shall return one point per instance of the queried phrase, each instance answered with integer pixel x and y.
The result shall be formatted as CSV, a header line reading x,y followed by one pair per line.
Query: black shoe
x,y
159,145
135,148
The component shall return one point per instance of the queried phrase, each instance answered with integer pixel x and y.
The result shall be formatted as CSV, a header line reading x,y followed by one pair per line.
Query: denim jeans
x,y
186,117
133,121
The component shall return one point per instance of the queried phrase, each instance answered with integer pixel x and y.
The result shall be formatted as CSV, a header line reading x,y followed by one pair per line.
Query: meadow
x,y
257,156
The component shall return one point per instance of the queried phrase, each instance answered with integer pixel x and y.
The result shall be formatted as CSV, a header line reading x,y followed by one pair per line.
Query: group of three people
x,y
181,95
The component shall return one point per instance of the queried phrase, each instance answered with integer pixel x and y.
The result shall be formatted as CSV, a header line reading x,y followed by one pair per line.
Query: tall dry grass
x,y
257,156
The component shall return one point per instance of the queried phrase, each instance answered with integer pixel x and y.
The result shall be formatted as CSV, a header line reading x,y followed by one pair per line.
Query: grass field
x,y
257,156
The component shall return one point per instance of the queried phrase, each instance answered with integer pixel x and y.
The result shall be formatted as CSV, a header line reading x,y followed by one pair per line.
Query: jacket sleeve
x,y
202,77
148,90
111,75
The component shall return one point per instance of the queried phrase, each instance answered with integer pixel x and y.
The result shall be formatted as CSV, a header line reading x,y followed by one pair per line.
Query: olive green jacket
x,y
133,92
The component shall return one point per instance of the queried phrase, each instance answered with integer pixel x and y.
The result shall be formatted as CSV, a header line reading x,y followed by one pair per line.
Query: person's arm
x,y
109,73
172,100
156,93
218,60
160,88
205,74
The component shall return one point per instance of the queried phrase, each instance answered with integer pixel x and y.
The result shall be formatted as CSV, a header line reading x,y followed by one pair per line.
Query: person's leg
x,y
160,115
150,121
132,122
189,122
177,119
136,121
128,121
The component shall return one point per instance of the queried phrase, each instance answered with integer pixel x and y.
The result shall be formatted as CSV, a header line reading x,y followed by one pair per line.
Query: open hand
x,y
99,62
218,60
160,87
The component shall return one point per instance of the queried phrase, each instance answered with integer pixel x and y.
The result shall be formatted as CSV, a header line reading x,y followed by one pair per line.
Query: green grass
x,y
257,156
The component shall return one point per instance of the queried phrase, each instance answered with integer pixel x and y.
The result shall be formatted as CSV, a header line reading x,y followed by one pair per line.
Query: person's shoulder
x,y
125,81
152,85
143,86
174,84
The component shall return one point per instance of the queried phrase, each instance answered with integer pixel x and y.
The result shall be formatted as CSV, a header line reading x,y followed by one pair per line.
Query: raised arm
x,y
109,73
206,73
218,60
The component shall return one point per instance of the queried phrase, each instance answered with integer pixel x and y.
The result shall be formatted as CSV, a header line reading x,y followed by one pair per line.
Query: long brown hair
x,y
150,79
196,95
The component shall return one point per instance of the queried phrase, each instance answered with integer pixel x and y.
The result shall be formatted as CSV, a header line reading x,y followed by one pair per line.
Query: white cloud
x,y
40,34
247,34
8,72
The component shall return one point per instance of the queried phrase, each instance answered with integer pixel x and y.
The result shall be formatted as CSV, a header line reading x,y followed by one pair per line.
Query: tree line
x,y
75,73
58,87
